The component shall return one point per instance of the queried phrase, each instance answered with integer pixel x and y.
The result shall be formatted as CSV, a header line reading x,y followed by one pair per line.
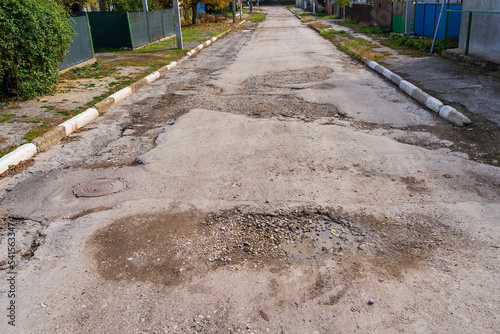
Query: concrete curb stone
x,y
449,113
22,153
49,138
42,143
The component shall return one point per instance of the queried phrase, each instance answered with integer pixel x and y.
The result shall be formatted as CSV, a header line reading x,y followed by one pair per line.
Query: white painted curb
x,y
387,73
122,94
80,120
172,65
153,77
28,150
434,104
407,87
21,153
449,113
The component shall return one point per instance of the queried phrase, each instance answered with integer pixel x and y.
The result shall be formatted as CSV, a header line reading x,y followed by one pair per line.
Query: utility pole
x,y
408,18
178,31
234,11
437,28
144,5
251,6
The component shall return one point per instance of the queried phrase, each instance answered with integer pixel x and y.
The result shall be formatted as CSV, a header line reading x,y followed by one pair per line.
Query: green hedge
x,y
34,38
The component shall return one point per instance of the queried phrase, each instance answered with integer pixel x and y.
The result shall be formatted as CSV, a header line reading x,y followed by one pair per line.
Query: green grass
x,y
96,70
365,28
419,45
329,17
38,130
258,17
69,113
5,117
333,32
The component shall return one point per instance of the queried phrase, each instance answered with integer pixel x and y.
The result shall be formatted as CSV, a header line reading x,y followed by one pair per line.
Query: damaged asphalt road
x,y
269,184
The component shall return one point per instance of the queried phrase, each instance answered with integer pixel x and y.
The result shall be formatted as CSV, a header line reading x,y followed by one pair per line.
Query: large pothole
x,y
168,248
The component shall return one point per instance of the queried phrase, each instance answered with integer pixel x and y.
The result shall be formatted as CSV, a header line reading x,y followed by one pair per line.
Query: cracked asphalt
x,y
268,184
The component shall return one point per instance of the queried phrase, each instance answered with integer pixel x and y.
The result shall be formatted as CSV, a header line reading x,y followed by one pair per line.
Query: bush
x,y
422,44
34,38
210,18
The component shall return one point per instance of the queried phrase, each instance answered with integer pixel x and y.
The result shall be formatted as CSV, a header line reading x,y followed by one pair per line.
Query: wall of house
x,y
485,29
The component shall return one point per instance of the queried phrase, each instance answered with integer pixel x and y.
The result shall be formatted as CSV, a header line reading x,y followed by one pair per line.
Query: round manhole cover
x,y
99,187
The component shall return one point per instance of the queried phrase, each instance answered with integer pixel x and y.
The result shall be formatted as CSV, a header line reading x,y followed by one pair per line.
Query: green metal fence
x,y
109,30
130,30
399,17
81,48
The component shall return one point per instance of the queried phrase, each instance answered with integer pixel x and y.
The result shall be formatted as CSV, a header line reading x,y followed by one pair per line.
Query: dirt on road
x,y
269,184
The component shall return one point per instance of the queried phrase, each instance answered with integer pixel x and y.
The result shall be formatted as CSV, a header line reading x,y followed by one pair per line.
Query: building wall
x,y
485,29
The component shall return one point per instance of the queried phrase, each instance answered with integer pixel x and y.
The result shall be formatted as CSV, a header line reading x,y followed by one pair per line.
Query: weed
x,y
257,17
307,19
5,117
33,121
48,107
96,70
420,44
333,32
38,130
318,25
329,17
69,113
8,150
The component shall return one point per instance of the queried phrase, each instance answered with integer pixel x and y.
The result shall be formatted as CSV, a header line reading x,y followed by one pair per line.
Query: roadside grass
x,y
150,58
355,47
257,17
4,118
96,70
329,17
318,25
421,45
365,28
44,126
307,19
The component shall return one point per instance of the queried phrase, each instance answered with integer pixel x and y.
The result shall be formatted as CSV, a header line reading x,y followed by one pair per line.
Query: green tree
x,y
34,38
342,3
123,6
215,4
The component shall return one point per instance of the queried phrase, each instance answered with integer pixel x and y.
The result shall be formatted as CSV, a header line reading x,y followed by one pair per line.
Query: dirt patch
x,y
309,76
170,248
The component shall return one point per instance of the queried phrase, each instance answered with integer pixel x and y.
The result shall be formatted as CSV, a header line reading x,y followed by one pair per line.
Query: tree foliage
x,y
34,38
82,3
342,3
214,4
123,6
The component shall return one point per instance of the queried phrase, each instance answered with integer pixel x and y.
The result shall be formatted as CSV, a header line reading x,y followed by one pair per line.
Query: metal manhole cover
x,y
99,187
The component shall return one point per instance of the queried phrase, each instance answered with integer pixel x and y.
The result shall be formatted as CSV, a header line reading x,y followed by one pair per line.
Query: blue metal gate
x,y
426,18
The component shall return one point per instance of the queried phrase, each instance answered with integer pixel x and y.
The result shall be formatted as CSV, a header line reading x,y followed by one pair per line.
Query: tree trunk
x,y
194,8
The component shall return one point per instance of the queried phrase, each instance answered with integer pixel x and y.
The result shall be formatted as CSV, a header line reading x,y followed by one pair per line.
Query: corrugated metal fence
x,y
426,18
130,30
81,48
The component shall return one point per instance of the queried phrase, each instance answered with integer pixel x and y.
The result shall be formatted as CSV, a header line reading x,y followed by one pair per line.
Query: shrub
x,y
34,38
422,44
210,18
